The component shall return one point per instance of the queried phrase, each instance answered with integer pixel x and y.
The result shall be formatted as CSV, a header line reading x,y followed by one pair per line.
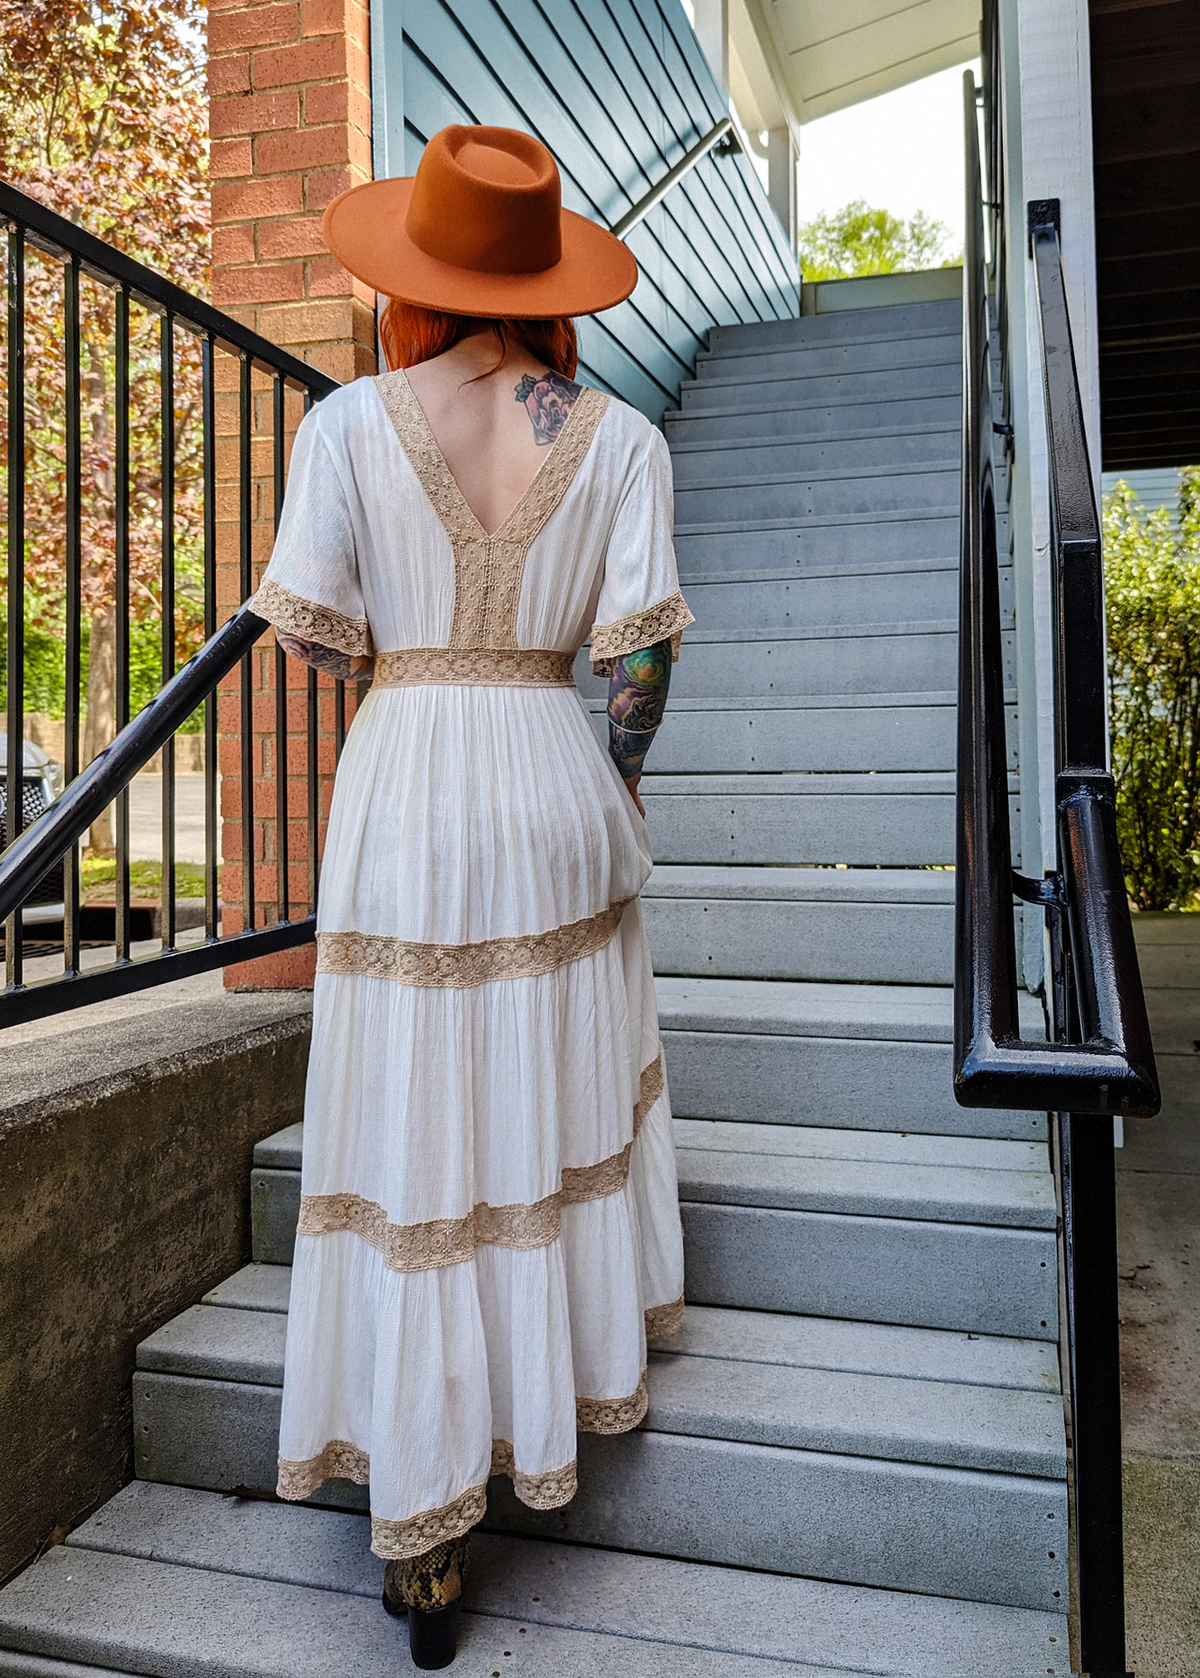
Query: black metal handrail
x,y
55,835
1106,1064
1100,1059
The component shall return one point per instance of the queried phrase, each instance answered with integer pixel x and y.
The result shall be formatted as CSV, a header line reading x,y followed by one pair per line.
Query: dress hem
x,y
399,1540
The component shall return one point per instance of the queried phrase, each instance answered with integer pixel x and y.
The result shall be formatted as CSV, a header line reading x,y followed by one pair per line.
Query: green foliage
x,y
45,673
145,878
1152,580
858,240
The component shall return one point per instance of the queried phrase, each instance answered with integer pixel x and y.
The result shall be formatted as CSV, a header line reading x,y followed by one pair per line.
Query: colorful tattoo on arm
x,y
637,697
547,401
329,659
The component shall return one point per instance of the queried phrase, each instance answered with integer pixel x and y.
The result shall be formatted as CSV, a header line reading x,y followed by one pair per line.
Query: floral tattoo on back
x,y
547,401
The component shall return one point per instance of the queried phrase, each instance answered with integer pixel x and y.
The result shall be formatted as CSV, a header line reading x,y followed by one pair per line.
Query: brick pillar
x,y
290,115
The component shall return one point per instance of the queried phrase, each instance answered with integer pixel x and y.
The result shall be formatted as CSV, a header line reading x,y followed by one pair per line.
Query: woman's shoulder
x,y
343,415
629,432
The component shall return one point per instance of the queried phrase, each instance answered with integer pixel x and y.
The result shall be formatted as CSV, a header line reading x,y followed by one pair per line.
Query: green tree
x,y
858,240
103,118
1152,581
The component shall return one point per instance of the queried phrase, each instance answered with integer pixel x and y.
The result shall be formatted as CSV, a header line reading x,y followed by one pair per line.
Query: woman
x,y
489,1228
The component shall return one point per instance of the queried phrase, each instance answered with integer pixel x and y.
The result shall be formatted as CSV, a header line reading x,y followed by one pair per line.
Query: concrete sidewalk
x,y
1158,1201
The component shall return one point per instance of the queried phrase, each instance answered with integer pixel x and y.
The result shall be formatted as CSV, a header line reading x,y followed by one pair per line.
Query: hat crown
x,y
487,199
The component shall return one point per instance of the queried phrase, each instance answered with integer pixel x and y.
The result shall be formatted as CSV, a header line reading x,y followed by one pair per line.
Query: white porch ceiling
x,y
794,60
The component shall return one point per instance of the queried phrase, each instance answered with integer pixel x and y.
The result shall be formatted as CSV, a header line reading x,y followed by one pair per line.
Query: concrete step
x,y
888,733
904,320
859,658
855,1056
881,1227
901,533
760,1431
849,355
784,391
792,495
919,1354
840,596
853,414
885,926
899,821
807,1384
698,463
642,1613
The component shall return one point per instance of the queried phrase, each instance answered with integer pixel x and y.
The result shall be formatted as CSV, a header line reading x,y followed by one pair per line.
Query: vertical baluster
x,y
209,421
13,811
245,510
167,411
339,720
278,414
121,684
74,584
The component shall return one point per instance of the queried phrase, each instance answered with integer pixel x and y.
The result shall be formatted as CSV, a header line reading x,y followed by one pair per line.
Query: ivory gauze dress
x,y
489,1225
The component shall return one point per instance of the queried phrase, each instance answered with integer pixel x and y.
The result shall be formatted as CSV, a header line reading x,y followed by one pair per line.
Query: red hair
x,y
410,334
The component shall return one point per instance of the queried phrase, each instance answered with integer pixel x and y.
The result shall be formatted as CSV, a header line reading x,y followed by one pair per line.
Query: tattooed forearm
x,y
334,663
547,401
637,697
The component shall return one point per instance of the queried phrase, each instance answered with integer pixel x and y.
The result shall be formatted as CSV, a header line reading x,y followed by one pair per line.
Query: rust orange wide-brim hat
x,y
480,230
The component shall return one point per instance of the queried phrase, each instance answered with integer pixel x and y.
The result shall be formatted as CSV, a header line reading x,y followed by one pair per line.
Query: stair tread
x,y
807,521
865,1173
944,698
803,1181
785,1403
799,783
801,885
785,439
140,1613
582,1588
907,1013
921,1354
696,635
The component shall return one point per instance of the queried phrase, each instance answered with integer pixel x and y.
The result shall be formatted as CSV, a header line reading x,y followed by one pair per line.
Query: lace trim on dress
x,y
610,641
442,1241
662,1320
375,955
293,615
474,667
488,567
339,1460
400,1540
612,1415
540,1491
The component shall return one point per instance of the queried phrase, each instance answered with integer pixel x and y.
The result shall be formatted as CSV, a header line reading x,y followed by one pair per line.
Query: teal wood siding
x,y
619,90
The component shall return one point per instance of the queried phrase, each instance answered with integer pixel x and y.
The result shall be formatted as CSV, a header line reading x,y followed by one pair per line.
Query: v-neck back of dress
x,y
488,569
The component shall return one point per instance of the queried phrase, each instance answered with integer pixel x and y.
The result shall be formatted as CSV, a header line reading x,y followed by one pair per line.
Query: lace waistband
x,y
516,667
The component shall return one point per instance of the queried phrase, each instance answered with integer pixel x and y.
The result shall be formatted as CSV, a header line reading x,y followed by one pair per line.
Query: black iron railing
x,y
1099,1060
112,310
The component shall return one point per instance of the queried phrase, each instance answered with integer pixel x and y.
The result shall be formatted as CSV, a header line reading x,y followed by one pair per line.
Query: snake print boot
x,y
428,1587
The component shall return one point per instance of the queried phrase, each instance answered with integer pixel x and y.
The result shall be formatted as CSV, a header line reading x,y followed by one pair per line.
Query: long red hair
x,y
410,334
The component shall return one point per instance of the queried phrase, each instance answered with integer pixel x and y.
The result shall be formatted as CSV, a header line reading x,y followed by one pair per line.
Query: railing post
x,y
1090,1249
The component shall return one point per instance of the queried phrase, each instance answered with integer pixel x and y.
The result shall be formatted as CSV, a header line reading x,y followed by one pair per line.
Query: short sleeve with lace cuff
x,y
665,620
311,587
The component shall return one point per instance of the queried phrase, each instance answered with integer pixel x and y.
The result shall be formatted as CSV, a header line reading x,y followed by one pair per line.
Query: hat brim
x,y
364,229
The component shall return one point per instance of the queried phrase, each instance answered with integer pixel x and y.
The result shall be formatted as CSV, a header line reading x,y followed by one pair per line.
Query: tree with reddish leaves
x,y
103,118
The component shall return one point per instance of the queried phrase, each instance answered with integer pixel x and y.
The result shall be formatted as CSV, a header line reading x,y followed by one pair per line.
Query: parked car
x,y
41,784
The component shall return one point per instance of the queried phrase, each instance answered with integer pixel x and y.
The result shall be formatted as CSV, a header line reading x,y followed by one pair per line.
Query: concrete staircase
x,y
854,1458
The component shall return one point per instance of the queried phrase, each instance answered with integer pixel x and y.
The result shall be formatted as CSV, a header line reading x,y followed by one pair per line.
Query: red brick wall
x,y
290,115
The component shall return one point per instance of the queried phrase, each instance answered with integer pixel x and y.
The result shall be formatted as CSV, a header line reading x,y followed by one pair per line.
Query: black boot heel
x,y
433,1636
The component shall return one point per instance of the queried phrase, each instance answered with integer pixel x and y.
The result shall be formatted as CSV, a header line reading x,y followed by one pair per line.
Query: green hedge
x,y
1152,578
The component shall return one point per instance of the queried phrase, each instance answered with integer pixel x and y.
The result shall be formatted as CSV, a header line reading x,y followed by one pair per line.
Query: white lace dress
x,y
489,1224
